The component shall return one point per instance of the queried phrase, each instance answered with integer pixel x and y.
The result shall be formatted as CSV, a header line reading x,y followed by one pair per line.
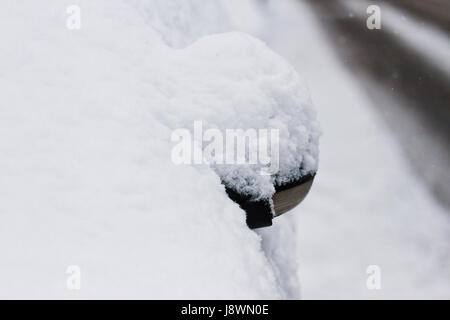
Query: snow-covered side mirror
x,y
286,197
246,113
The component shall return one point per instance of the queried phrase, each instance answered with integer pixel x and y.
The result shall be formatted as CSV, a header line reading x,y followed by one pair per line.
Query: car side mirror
x,y
286,197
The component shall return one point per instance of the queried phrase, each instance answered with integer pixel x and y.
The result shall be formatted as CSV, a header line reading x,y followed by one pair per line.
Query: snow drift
x,y
85,124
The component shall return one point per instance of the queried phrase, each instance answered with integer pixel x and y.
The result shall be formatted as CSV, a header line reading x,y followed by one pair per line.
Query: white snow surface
x,y
86,118
84,176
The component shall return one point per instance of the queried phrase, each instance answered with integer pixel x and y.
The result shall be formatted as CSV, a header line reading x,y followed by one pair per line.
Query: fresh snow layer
x,y
232,81
86,118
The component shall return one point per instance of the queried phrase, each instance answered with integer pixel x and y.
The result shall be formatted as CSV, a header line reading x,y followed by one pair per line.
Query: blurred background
x,y
406,62
381,196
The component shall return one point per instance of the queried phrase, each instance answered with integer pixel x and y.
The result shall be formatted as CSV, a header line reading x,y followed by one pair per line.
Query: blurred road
x,y
381,99
405,75
432,11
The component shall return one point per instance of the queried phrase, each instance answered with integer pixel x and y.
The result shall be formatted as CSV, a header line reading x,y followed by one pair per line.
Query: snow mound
x,y
234,81
86,118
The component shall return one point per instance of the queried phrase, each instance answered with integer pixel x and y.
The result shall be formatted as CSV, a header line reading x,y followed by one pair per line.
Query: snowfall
x,y
87,180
